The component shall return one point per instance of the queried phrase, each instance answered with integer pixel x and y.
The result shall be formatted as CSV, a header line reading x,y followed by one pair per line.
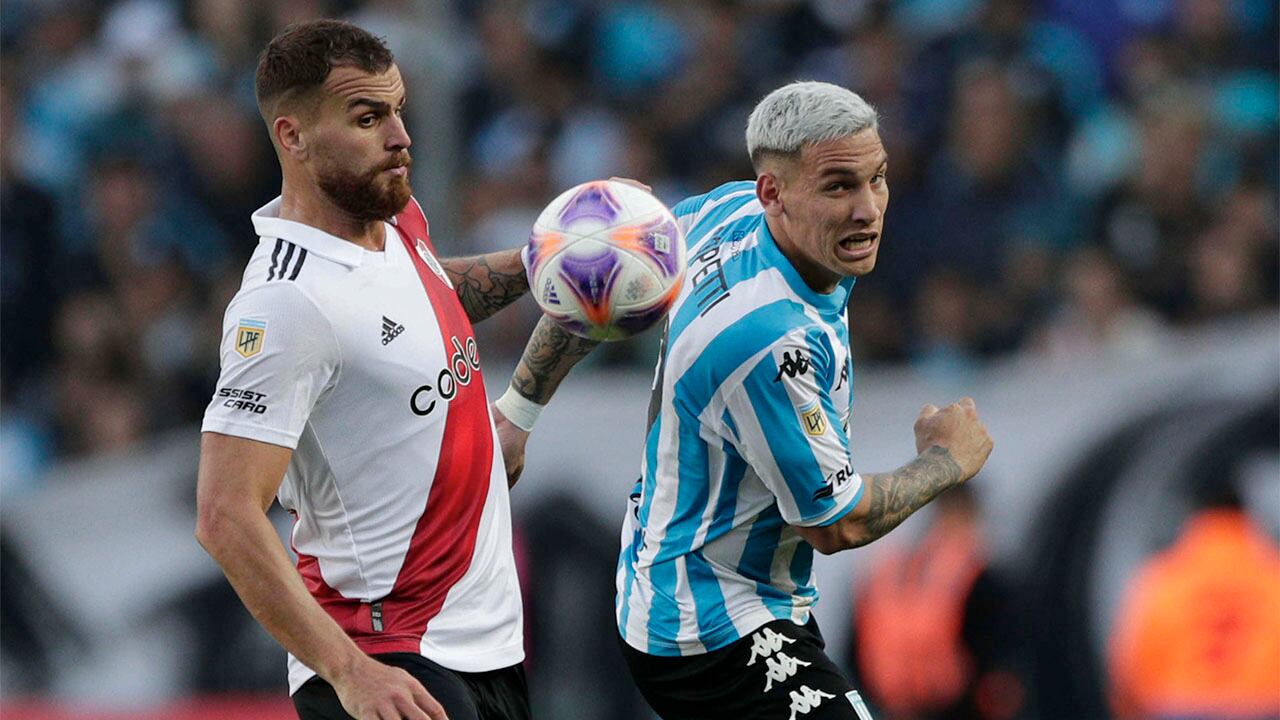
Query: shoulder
x,y
772,327
275,286
734,194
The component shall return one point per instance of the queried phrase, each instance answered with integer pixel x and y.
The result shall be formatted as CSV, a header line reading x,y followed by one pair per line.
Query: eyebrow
x,y
837,171
375,105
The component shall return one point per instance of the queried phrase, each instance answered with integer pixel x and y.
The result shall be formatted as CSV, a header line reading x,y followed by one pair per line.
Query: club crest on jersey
x,y
431,261
813,419
250,336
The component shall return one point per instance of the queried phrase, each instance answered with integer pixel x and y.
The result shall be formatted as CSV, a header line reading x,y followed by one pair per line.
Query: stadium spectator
x,y
934,624
1198,633
1099,315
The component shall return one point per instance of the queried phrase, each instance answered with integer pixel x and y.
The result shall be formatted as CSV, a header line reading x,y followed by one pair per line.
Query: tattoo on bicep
x,y
896,495
551,352
486,283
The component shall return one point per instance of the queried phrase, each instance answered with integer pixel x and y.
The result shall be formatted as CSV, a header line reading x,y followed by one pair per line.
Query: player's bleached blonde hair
x,y
803,113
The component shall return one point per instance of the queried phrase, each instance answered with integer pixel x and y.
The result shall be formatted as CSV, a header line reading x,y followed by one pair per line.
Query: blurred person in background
x,y
754,377
30,245
1099,315
351,389
1198,632
933,624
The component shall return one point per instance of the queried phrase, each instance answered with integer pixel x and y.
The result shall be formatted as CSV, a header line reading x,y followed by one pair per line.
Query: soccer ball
x,y
606,260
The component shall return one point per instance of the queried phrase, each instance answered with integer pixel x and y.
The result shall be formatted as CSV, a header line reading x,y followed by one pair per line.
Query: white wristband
x,y
520,410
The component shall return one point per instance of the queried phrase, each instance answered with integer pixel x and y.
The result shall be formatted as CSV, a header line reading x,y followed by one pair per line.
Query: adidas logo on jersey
x,y
390,329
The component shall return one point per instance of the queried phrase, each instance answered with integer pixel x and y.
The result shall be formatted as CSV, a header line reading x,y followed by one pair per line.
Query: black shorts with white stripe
x,y
494,695
778,672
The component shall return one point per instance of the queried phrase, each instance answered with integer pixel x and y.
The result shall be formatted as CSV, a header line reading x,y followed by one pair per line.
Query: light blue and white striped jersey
x,y
748,437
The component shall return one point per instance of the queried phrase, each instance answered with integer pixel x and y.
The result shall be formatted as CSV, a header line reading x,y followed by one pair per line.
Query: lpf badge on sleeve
x,y
815,421
249,337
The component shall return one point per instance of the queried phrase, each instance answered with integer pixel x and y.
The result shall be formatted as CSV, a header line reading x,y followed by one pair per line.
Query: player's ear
x,y
289,136
769,192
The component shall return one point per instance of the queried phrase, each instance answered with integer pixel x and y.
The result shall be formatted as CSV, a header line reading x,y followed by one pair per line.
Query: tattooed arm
x,y
548,357
953,445
487,283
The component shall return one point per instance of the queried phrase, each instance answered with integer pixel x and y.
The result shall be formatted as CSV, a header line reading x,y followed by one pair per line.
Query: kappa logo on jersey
x,y
781,667
844,375
813,418
431,261
390,329
463,364
792,365
250,337
765,643
806,699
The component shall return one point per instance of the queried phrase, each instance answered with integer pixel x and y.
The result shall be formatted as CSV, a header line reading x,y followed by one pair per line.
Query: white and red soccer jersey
x,y
366,365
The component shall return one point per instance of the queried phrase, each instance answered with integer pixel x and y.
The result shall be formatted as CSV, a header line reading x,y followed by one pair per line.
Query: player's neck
x,y
816,277
313,209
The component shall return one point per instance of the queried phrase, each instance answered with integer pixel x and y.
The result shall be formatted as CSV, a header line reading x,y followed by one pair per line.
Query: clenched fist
x,y
956,428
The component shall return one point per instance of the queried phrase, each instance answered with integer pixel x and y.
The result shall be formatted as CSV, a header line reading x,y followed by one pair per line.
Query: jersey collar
x,y
268,224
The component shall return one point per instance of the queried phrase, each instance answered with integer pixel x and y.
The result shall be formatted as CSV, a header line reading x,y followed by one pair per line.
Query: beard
x,y
367,196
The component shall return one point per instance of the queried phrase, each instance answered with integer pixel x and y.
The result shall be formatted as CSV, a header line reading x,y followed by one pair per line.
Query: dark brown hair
x,y
300,58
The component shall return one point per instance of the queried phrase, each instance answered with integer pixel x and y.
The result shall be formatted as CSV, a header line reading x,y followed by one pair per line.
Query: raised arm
x,y
548,357
952,444
487,283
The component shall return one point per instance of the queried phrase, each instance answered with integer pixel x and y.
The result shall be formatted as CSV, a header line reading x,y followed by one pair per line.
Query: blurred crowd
x,y
1067,178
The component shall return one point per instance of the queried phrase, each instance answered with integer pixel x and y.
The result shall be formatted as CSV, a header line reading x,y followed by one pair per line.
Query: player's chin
x,y
859,267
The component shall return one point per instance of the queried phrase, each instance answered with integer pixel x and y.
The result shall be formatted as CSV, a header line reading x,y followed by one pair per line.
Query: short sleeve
x,y
686,211
279,354
791,435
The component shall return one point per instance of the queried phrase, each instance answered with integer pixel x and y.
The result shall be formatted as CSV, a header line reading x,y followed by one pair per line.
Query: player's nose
x,y
398,137
866,210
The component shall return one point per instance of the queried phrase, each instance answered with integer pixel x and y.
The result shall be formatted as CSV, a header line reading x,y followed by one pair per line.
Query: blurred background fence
x,y
1082,235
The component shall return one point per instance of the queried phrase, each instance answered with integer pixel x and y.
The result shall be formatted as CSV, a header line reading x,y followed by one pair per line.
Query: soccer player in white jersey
x,y
748,465
351,388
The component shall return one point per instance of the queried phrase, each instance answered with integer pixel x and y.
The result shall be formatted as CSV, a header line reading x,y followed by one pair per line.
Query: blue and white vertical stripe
x,y
754,385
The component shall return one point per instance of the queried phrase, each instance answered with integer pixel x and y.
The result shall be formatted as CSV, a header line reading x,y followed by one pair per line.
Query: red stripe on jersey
x,y
444,540
341,609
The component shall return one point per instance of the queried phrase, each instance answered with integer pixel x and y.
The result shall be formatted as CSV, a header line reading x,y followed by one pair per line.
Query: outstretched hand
x,y
512,441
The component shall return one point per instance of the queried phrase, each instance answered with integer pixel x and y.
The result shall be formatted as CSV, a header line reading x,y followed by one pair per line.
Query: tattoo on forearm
x,y
550,354
487,283
896,495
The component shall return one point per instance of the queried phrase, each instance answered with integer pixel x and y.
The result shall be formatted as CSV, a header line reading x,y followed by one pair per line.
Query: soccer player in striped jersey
x,y
748,465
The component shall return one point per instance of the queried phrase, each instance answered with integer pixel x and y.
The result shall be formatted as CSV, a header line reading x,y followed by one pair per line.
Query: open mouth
x,y
858,245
